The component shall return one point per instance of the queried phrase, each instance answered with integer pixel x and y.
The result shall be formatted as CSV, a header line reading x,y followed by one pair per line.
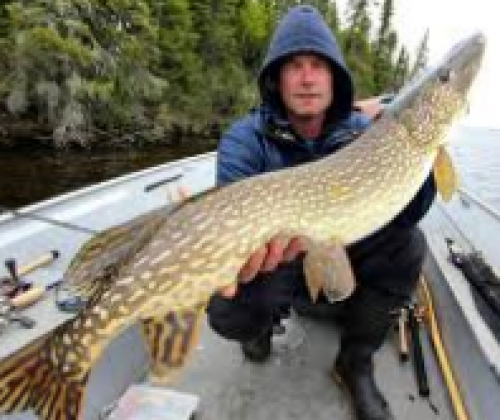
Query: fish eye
x,y
445,76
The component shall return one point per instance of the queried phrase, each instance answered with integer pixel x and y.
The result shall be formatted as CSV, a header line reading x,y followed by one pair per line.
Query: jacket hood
x,y
303,29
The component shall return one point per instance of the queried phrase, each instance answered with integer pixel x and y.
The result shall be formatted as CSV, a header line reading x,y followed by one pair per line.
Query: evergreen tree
x,y
421,56
4,20
140,69
78,64
383,49
355,39
50,45
5,41
331,14
224,79
179,63
401,70
253,32
280,7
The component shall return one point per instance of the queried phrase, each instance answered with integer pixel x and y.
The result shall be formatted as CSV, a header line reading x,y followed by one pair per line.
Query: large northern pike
x,y
162,270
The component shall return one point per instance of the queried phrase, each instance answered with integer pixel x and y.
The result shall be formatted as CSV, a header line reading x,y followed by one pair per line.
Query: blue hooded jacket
x,y
264,140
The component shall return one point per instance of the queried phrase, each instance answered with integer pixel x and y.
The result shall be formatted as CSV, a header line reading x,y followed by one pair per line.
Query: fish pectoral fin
x,y
327,268
445,174
170,338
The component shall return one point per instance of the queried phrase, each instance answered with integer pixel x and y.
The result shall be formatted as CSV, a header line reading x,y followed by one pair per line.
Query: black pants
x,y
386,267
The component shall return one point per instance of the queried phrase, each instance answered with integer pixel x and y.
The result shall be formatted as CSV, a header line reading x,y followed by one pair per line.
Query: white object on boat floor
x,y
145,402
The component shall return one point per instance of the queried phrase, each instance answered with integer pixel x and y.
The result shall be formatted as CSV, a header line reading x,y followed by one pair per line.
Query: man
x,y
307,113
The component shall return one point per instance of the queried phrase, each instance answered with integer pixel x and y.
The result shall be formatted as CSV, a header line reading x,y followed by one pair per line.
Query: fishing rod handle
x,y
418,355
403,334
27,298
41,261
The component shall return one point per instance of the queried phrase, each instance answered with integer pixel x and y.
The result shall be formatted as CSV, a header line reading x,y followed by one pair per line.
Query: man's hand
x,y
265,260
371,107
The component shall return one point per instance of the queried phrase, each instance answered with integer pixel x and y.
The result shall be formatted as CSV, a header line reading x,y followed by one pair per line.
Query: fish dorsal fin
x,y
445,174
169,340
327,269
96,265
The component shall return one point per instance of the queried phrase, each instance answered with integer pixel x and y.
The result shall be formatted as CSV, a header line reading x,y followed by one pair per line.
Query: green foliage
x,y
383,49
179,63
357,49
254,22
4,20
401,70
143,68
421,57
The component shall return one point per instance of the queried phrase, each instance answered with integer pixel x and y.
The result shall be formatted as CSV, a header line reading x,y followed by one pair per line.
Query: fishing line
x,y
48,220
457,227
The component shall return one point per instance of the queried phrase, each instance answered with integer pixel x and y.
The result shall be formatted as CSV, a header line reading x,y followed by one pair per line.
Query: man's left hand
x,y
369,106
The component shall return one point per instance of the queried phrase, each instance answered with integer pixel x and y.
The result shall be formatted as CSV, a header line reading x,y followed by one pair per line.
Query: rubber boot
x,y
367,321
258,349
359,381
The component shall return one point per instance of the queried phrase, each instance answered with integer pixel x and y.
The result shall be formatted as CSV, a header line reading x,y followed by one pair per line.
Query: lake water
x,y
476,156
28,177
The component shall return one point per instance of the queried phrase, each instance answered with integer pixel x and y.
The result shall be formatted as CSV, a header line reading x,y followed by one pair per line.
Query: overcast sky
x,y
449,21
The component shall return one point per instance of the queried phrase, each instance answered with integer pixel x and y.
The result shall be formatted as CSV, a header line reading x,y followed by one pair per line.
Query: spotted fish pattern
x,y
170,266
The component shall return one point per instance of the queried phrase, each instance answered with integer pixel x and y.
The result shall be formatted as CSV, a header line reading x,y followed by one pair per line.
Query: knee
x,y
219,315
411,261
231,321
417,248
396,265
418,240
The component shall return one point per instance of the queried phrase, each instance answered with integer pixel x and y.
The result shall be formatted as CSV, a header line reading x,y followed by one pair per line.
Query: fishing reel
x,y
9,314
12,285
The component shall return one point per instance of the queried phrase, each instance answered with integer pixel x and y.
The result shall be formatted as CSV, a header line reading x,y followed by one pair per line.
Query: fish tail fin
x,y
28,380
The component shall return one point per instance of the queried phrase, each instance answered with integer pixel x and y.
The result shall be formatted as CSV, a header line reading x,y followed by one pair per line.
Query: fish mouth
x,y
468,48
462,63
457,70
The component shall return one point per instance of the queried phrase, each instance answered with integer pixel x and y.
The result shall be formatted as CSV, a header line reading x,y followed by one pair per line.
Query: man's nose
x,y
308,74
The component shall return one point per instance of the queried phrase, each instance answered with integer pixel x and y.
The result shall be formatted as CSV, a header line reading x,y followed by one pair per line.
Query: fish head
x,y
429,105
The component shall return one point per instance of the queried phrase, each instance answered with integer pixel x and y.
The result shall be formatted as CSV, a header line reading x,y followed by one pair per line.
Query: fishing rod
x,y
479,273
457,228
472,265
48,220
467,195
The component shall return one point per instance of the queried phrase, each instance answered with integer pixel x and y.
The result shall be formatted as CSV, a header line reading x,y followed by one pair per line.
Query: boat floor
x,y
294,384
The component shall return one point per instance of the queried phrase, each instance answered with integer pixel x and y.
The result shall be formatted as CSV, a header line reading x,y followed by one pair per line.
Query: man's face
x,y
305,83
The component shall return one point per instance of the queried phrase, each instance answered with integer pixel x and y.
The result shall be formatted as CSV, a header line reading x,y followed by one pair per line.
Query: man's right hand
x,y
264,260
